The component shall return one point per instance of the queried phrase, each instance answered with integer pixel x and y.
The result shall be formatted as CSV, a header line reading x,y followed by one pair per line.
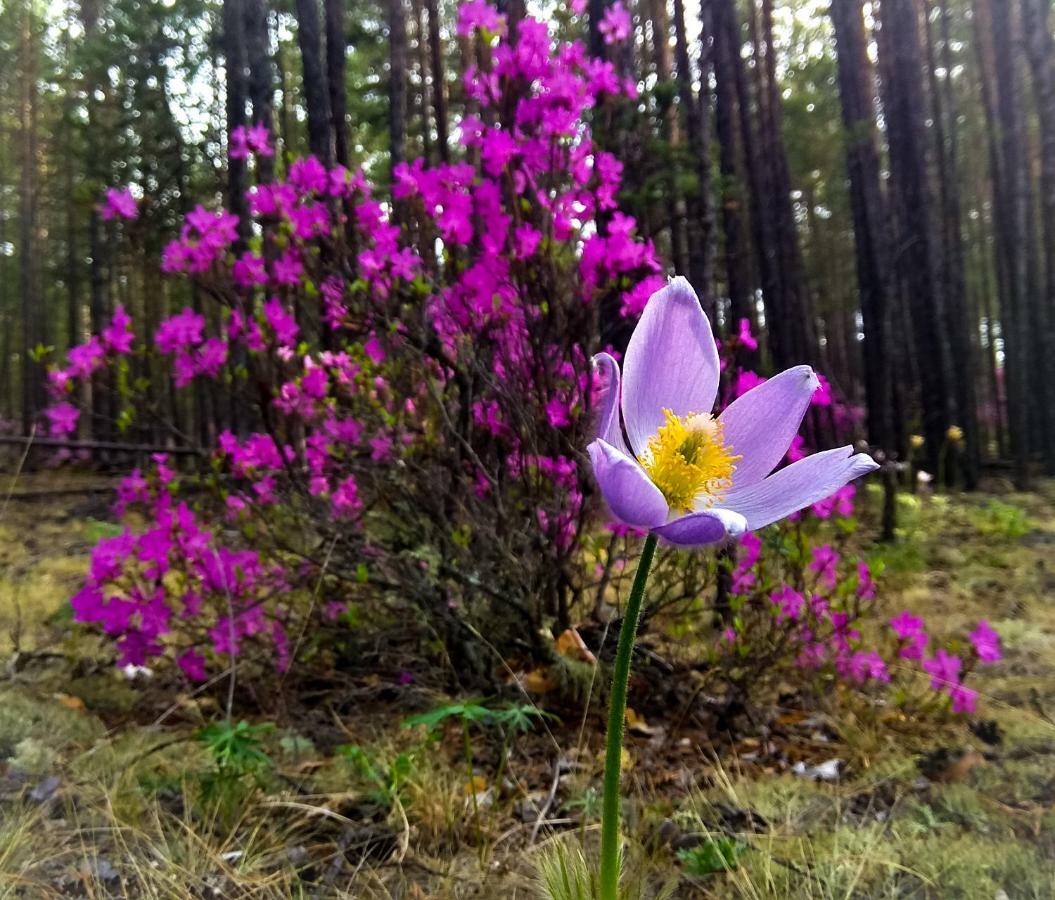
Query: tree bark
x,y
696,112
235,61
736,246
439,81
397,81
316,92
32,372
261,78
958,321
336,65
1011,205
904,108
1040,47
869,211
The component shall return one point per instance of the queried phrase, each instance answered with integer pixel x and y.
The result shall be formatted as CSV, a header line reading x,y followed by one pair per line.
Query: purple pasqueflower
x,y
691,478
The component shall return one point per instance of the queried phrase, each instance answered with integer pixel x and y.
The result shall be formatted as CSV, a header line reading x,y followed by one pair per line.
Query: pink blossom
x,y
866,588
986,642
824,562
944,669
479,14
180,331
964,699
119,203
745,337
118,335
63,418
193,665
615,25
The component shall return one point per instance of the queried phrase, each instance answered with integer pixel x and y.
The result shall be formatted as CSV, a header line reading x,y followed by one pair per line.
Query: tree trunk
x,y
905,112
397,80
958,321
1040,46
316,93
439,81
868,207
32,372
261,78
336,51
234,50
1011,206
696,111
737,250
796,331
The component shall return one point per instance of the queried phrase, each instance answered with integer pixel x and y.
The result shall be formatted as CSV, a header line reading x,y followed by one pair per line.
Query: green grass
x,y
127,815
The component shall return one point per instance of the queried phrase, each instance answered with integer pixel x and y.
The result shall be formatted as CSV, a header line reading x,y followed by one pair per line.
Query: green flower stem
x,y
616,713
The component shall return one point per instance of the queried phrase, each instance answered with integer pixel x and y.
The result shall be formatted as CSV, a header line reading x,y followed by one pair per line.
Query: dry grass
x,y
89,810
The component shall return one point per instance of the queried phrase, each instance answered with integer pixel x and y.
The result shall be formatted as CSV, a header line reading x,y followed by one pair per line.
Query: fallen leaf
x,y
538,681
71,702
571,644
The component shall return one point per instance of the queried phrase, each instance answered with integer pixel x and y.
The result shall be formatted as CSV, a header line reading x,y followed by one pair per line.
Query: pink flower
x,y
615,25
479,14
63,418
866,588
258,138
193,665
525,241
179,331
964,699
823,394
788,601
944,669
825,559
118,335
745,337
119,203
986,643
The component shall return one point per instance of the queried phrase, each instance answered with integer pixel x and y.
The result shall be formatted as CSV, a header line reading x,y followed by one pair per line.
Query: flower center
x,y
688,461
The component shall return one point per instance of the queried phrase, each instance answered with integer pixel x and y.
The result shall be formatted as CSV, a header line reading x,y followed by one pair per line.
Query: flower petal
x,y
760,425
632,497
671,363
700,528
609,428
797,486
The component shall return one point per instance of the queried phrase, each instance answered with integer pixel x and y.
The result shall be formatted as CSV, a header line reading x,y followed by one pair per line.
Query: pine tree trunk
x,y
696,111
261,78
1040,47
904,108
316,93
1011,205
870,216
28,286
235,59
958,321
737,250
336,50
397,80
439,81
800,338
675,203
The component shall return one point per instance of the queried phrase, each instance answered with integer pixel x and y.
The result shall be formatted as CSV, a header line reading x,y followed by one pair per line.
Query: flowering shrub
x,y
410,383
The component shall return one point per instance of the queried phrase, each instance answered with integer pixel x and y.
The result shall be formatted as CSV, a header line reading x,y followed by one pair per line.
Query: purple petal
x,y
609,428
760,425
700,528
671,363
797,486
632,497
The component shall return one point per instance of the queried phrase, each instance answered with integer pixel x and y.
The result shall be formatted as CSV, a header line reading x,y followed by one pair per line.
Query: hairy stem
x,y
616,713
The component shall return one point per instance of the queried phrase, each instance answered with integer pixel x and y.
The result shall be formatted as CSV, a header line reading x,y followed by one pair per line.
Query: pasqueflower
x,y
688,476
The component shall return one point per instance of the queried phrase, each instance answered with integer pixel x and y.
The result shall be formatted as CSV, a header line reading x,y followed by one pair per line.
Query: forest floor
x,y
99,800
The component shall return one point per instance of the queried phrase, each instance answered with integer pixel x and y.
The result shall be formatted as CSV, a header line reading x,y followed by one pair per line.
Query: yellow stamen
x,y
689,462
